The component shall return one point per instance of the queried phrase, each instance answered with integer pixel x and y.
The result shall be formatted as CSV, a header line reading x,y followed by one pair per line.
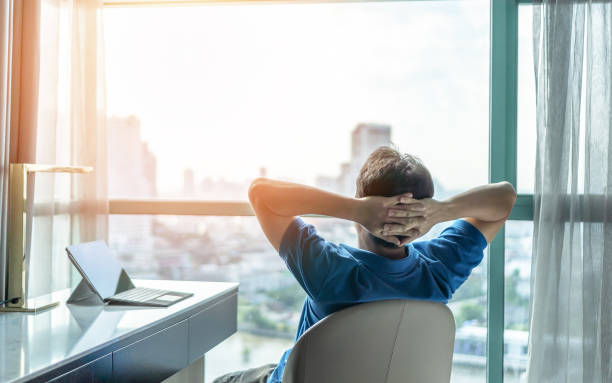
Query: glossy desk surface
x,y
33,344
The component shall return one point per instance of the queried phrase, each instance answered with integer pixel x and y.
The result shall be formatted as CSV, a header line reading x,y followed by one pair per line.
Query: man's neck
x,y
391,253
365,242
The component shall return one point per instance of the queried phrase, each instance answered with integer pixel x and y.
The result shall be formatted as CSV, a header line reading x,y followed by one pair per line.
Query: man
x,y
393,206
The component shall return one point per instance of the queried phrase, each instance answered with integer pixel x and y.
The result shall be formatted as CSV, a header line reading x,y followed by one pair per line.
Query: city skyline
x,y
133,173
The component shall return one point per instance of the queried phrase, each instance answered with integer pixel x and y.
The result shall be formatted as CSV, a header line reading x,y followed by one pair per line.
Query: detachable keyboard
x,y
138,295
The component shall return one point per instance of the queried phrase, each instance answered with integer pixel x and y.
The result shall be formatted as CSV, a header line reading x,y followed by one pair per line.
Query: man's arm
x,y
276,204
486,207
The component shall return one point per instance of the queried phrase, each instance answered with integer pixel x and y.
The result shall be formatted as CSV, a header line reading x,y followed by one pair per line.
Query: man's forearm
x,y
290,199
487,203
278,200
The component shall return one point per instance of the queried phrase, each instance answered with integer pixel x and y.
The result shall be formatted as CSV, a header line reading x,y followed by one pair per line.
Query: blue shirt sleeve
x,y
307,256
455,252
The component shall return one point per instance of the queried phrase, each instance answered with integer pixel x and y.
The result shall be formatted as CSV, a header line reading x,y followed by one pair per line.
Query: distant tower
x,y
132,167
364,140
149,168
346,181
188,183
263,172
132,173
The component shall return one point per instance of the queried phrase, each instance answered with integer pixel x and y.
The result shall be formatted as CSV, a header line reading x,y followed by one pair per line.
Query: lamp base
x,y
33,305
31,310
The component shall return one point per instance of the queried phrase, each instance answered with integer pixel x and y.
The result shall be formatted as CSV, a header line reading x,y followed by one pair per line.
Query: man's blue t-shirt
x,y
338,276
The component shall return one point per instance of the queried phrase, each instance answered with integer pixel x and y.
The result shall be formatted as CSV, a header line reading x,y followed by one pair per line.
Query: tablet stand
x,y
83,294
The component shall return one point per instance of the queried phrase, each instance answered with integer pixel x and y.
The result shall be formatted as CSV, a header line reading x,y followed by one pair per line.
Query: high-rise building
x,y
132,173
346,180
132,167
188,183
327,183
365,138
149,169
263,172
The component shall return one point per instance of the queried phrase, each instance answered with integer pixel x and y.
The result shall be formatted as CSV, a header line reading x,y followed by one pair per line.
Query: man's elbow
x,y
256,190
509,196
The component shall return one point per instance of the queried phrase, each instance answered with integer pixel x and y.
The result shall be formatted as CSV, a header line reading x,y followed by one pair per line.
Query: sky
x,y
226,89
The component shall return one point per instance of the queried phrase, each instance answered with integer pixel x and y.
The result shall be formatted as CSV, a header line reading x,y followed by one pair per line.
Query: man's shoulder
x,y
456,230
302,236
459,247
462,230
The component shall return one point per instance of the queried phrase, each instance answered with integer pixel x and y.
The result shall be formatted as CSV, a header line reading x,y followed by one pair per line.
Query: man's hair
x,y
387,172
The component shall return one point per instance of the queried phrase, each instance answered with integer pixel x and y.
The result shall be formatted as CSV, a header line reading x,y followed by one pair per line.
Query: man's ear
x,y
359,229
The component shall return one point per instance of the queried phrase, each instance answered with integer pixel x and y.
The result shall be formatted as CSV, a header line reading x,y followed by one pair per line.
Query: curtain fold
x,y
89,121
58,116
5,86
25,75
571,324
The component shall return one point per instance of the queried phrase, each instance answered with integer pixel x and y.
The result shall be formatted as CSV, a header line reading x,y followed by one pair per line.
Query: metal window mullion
x,y
502,164
523,208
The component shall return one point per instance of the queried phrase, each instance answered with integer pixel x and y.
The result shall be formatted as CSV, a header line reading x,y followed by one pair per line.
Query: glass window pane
x,y
228,93
526,104
224,94
469,306
516,302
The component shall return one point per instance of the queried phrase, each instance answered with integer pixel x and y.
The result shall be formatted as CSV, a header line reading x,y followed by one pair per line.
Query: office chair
x,y
380,342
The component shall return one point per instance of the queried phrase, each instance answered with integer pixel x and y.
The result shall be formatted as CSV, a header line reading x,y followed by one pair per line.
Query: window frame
x,y
503,84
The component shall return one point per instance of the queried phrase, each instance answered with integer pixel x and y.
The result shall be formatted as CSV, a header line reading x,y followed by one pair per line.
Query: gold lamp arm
x,y
36,168
16,249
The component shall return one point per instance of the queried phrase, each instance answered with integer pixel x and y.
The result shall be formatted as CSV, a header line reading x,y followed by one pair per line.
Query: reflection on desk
x,y
60,340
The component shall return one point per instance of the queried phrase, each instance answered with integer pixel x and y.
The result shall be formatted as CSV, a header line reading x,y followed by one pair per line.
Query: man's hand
x,y
402,213
413,218
486,207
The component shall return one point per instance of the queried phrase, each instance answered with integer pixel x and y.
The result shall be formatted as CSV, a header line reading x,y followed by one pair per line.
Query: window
x,y
224,94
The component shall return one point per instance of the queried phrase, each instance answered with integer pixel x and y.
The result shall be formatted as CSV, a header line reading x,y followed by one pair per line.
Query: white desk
x,y
117,343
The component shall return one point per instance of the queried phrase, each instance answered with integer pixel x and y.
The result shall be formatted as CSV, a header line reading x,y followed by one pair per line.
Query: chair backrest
x,y
380,342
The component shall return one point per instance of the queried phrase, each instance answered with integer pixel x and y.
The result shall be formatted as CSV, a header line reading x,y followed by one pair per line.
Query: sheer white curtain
x,y
571,308
58,117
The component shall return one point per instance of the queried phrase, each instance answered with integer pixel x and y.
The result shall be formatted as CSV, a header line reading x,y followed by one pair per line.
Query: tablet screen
x,y
100,267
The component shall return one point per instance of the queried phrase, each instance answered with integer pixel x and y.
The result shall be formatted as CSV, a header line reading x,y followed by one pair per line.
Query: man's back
x,y
338,276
